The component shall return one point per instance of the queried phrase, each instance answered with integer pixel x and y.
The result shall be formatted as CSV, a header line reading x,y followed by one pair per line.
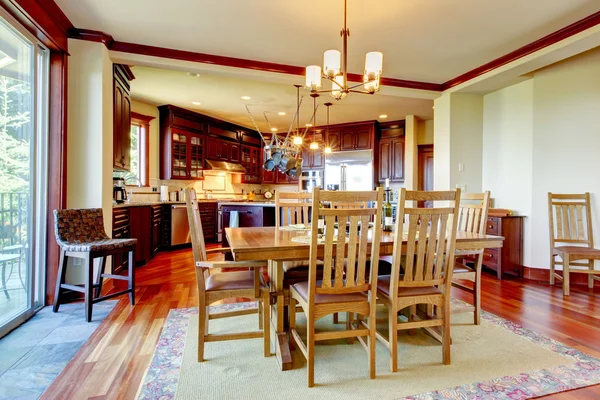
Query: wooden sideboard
x,y
509,258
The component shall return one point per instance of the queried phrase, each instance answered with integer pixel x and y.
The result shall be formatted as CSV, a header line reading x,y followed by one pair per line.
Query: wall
x,y
507,168
425,132
559,106
90,126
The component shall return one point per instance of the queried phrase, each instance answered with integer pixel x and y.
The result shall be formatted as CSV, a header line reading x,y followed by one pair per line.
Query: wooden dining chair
x,y
472,217
292,208
570,218
345,287
426,275
213,287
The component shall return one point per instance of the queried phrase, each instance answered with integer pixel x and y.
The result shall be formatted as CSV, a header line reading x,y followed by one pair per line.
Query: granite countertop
x,y
158,203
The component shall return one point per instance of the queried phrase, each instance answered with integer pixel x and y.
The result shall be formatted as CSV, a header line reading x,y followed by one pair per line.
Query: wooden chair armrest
x,y
231,264
219,250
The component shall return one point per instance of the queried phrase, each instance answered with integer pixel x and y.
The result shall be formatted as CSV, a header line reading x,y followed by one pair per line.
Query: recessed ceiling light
x,y
308,125
196,103
383,116
281,113
193,74
433,108
246,97
273,129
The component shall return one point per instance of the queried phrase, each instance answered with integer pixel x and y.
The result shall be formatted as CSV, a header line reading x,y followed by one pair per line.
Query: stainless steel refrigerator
x,y
349,170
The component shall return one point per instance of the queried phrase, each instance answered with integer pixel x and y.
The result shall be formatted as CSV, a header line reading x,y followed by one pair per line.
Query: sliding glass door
x,y
23,164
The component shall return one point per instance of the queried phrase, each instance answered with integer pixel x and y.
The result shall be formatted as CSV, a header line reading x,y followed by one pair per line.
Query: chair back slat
x,y
430,242
345,250
196,235
292,208
570,219
473,212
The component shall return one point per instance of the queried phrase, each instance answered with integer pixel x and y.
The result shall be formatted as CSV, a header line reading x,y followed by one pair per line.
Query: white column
x,y
411,153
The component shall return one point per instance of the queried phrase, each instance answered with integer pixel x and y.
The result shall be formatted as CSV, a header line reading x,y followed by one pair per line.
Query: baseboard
x,y
543,275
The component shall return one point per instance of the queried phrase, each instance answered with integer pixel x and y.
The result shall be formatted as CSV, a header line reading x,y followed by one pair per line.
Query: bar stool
x,y
80,234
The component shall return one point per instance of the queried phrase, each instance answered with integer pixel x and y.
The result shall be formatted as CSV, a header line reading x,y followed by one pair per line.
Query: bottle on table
x,y
321,222
388,220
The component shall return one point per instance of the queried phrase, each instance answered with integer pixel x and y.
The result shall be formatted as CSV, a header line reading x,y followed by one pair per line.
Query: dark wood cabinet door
x,y
362,139
156,229
347,140
223,151
318,159
117,145
333,139
385,159
180,154
306,158
212,147
196,161
126,131
268,176
140,219
234,153
397,151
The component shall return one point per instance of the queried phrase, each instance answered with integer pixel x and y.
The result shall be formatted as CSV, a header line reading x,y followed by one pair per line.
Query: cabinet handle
x,y
249,212
490,227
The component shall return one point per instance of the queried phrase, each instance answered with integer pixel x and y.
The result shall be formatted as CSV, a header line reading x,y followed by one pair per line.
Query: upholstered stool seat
x,y
80,234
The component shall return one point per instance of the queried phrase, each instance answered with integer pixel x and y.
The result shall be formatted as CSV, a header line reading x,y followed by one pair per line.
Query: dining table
x,y
277,245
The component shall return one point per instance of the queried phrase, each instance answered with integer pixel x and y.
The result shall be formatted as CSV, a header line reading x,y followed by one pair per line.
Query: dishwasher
x,y
180,227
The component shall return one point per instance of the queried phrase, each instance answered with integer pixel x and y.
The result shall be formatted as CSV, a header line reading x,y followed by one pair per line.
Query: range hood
x,y
213,167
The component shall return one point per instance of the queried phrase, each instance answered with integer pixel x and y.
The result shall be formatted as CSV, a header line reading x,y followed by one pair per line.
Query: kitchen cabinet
x,y
222,144
182,138
251,160
156,229
208,217
358,137
120,230
509,258
121,117
248,216
313,159
391,159
333,139
140,219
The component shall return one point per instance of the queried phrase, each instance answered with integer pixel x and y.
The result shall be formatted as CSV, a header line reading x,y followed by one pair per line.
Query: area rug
x,y
496,360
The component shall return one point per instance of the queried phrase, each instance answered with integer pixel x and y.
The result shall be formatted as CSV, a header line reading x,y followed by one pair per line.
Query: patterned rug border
x,y
160,381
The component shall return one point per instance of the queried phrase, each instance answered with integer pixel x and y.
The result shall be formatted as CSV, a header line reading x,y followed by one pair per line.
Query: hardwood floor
x,y
112,363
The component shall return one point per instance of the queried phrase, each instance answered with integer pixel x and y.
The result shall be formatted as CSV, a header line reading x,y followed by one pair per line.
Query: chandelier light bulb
x,y
371,86
336,88
313,77
314,146
373,65
297,140
332,63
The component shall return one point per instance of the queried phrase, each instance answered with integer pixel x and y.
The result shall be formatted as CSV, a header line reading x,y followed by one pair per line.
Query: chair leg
x,y
446,340
412,310
131,280
4,281
89,278
260,314
372,342
266,323
336,318
202,326
349,321
292,321
566,276
591,276
393,337
477,291
60,279
99,279
310,350
552,266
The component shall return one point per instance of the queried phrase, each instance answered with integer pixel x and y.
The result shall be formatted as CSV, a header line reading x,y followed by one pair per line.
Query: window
x,y
139,149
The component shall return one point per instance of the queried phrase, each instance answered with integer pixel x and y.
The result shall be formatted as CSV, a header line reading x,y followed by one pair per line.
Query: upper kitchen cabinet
x,y
182,138
357,136
251,157
391,152
313,159
222,144
122,76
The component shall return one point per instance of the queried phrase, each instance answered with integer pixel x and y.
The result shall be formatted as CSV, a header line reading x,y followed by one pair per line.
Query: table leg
x,y
281,341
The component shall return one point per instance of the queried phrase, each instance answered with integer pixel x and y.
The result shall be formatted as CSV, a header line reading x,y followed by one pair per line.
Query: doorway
x,y
425,171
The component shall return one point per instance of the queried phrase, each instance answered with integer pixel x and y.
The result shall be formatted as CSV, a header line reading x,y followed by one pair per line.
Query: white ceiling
x,y
221,97
432,41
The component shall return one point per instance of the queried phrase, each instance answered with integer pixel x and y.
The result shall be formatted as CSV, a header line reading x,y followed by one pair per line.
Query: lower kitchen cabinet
x,y
509,258
208,217
248,216
120,231
156,229
141,219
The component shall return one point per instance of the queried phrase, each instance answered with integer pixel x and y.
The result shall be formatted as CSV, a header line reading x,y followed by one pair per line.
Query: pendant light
x,y
328,145
314,145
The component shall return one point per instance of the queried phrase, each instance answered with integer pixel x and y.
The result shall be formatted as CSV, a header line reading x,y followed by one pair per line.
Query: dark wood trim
x,y
141,118
555,37
543,275
44,19
92,36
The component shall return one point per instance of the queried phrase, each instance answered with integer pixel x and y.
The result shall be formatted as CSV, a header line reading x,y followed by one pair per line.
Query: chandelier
x,y
335,69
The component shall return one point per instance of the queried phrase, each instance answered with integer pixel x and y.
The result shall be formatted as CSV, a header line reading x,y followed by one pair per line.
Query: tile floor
x,y
33,355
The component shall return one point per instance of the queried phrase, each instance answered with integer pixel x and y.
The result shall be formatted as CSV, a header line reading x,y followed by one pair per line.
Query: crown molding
x,y
548,40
